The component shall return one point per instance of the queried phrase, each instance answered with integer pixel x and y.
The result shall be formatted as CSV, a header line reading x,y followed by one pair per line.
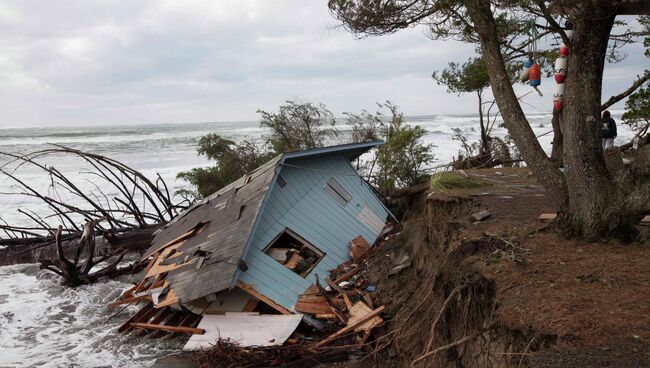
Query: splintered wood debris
x,y
337,311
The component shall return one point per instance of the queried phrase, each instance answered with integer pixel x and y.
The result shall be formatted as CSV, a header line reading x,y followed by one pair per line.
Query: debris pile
x,y
331,319
344,302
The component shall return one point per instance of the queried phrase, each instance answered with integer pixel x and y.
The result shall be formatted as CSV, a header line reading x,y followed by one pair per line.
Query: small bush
x,y
450,180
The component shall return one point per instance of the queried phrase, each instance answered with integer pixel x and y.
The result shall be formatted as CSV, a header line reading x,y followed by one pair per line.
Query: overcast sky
x,y
120,62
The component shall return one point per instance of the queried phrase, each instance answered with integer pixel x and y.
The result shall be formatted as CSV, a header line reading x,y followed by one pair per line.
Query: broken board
x,y
244,329
358,311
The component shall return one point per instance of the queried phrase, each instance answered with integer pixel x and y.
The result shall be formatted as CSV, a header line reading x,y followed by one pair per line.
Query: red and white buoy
x,y
561,65
560,70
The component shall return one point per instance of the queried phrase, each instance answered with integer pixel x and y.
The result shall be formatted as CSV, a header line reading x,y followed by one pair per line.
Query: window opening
x,y
337,191
295,253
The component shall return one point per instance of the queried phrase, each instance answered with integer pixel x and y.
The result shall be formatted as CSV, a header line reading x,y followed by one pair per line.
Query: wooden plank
x,y
179,329
250,305
254,293
129,300
313,307
197,229
144,312
334,286
173,321
190,320
326,316
359,310
349,328
158,318
347,275
170,299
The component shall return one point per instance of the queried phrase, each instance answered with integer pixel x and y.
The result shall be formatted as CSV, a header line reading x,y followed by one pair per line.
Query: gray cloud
x,y
104,62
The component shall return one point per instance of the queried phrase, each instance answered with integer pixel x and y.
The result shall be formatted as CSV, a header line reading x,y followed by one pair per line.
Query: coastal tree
x,y
400,162
637,114
231,162
298,126
402,159
593,202
472,77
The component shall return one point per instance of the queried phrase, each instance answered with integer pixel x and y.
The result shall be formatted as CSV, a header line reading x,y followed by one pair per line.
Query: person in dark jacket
x,y
608,127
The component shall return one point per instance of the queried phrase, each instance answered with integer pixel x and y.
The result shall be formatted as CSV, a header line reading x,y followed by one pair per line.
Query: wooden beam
x,y
157,319
145,311
349,328
130,300
347,275
173,321
251,291
179,329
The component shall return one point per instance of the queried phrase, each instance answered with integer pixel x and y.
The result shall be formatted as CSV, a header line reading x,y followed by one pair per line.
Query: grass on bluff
x,y
447,180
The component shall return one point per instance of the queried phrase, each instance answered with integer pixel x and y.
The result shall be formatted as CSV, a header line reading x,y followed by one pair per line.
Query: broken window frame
x,y
337,191
304,242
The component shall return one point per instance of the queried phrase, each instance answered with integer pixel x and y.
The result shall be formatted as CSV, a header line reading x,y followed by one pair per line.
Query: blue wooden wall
x,y
303,206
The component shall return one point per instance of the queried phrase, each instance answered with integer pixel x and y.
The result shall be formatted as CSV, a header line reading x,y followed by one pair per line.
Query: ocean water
x,y
45,325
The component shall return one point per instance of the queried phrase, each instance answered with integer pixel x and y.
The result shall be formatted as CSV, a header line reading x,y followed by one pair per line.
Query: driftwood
x,y
79,270
137,207
29,250
139,203
643,140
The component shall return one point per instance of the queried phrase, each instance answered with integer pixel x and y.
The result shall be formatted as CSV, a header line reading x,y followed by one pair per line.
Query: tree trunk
x,y
592,203
591,191
30,251
485,143
513,116
558,150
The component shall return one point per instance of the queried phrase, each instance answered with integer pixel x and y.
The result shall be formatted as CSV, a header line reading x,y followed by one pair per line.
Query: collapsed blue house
x,y
269,232
266,236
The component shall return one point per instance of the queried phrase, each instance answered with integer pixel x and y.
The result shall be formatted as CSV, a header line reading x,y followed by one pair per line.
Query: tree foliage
x,y
403,158
366,126
298,126
637,107
231,161
399,162
594,203
472,77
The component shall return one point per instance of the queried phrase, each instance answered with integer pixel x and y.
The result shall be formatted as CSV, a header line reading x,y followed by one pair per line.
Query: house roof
x,y
351,150
216,231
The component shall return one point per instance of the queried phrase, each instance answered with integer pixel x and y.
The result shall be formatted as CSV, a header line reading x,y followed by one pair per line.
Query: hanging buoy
x,y
558,97
564,50
560,69
534,75
525,71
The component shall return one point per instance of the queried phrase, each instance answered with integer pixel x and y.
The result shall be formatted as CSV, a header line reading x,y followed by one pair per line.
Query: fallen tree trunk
x,y
30,250
80,268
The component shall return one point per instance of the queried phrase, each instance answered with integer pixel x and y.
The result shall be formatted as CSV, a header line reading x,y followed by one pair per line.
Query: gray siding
x,y
305,207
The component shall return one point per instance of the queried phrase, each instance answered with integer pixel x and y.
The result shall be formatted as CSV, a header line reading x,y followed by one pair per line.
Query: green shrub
x,y
446,180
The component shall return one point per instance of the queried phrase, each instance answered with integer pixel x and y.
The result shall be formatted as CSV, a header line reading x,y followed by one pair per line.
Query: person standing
x,y
608,128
